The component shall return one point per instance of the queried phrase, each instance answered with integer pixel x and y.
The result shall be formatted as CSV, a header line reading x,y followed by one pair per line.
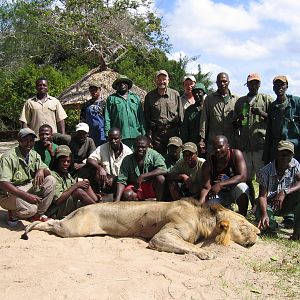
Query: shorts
x,y
144,192
226,197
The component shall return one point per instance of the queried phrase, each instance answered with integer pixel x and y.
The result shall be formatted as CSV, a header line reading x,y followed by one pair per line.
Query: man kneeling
x,y
279,189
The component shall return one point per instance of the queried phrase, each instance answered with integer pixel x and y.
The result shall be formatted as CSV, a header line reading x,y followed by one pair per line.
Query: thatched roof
x,y
78,93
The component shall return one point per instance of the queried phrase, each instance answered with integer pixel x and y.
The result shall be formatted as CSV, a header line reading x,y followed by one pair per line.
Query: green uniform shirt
x,y
283,124
62,184
217,117
14,168
189,132
170,164
252,136
126,114
163,109
129,171
44,152
181,167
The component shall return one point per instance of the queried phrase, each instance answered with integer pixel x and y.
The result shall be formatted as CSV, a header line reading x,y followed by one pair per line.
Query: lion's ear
x,y
216,208
223,237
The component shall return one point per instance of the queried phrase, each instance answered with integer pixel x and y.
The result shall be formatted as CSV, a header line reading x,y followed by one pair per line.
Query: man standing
x,y
163,112
283,120
188,98
224,175
279,189
43,109
107,160
217,115
124,110
192,117
250,113
45,146
92,113
142,173
186,171
26,186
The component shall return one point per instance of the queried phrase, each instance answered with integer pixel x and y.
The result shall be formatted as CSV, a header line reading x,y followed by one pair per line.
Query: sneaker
x,y
42,218
11,220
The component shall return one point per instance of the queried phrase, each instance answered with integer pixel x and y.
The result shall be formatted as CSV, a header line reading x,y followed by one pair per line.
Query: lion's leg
x,y
169,239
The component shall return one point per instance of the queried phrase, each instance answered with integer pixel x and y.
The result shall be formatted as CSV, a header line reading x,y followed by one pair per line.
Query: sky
x,y
238,37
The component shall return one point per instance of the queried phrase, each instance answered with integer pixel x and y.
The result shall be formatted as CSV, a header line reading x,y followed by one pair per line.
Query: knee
x,y
160,180
49,182
27,212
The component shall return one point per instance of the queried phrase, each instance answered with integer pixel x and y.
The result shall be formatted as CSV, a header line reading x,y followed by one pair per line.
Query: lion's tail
x,y
50,226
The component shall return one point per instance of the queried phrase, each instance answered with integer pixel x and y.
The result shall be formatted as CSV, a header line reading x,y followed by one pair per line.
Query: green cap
x,y
199,86
120,79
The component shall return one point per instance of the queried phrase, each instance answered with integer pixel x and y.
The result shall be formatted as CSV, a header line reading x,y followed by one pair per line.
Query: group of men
x,y
210,147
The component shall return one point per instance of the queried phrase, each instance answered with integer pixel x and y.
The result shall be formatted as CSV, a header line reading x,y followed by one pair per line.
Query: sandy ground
x,y
49,267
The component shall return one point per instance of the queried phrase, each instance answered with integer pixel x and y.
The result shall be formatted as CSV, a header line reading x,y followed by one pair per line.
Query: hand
x,y
278,200
30,198
78,166
39,178
187,180
102,174
140,179
84,184
237,123
202,146
215,189
256,111
264,222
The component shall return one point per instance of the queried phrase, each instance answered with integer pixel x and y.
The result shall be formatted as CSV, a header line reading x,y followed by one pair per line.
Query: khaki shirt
x,y
14,168
216,119
163,109
252,136
36,113
105,156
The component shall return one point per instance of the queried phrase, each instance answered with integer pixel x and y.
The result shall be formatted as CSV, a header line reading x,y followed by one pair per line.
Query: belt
x,y
165,126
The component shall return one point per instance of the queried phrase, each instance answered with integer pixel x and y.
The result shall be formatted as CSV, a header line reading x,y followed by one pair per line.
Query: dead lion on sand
x,y
170,226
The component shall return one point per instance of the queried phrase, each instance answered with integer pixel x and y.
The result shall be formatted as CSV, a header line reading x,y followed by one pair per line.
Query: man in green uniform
x,y
26,186
217,114
174,152
163,112
142,173
124,110
45,146
185,177
250,113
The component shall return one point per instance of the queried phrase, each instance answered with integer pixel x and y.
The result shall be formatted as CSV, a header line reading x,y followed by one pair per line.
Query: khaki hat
x,y
188,76
120,79
62,150
281,78
189,146
199,86
176,141
253,76
83,127
26,131
95,84
286,145
161,72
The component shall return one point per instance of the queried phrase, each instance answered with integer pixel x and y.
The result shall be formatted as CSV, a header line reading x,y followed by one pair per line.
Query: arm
x,y
95,165
147,115
141,118
262,201
107,116
10,188
205,181
61,126
119,191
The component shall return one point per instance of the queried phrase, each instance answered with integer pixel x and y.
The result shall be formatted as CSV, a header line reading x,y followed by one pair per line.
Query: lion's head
x,y
234,227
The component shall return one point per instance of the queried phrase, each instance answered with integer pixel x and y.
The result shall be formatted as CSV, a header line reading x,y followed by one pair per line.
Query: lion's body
x,y
170,226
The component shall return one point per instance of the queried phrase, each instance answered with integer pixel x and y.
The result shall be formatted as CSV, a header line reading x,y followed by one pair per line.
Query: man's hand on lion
x,y
264,222
215,189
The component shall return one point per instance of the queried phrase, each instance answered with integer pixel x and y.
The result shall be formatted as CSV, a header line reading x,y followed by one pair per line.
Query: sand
x,y
49,267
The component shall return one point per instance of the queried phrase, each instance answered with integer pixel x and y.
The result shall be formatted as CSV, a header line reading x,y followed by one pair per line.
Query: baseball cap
x,y
62,150
281,78
189,146
286,145
161,72
199,86
95,84
253,76
176,141
26,131
83,127
188,76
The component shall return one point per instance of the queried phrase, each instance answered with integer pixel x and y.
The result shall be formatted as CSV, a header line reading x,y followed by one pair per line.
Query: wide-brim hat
x,y
122,79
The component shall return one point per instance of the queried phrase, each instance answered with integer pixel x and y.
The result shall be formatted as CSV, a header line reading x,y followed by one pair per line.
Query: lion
x,y
170,226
